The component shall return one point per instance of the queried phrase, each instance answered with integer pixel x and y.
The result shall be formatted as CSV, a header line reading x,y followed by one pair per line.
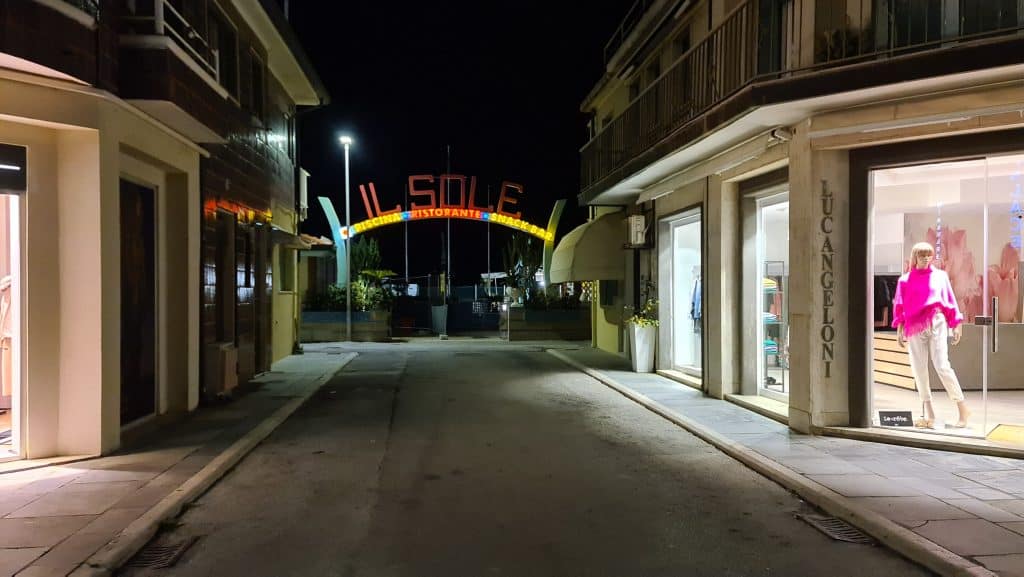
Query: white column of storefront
x,y
819,295
723,348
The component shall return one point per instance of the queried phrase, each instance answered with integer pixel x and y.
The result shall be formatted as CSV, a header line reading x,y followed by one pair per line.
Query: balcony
x,y
750,46
160,19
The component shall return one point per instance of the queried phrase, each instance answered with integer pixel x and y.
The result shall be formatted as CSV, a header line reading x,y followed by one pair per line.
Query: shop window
x,y
226,277
772,295
682,278
952,370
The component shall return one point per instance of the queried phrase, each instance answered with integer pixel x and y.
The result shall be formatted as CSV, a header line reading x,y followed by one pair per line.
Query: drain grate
x,y
161,556
836,528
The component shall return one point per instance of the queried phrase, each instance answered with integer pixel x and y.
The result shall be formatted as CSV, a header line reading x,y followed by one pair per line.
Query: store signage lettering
x,y
896,418
428,202
828,280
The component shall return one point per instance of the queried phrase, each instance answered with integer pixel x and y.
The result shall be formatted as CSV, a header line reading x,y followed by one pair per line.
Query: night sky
x,y
501,83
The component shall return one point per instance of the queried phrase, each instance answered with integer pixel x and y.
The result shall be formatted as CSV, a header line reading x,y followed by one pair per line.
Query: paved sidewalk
x,y
937,507
53,519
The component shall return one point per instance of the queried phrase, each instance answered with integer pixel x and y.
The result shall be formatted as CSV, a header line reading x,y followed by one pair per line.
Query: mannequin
x,y
925,315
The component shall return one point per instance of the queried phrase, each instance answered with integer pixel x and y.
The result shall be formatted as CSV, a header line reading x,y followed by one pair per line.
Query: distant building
x,y
151,240
785,155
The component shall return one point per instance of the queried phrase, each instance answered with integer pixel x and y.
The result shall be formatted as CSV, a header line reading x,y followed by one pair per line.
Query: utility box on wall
x,y
637,230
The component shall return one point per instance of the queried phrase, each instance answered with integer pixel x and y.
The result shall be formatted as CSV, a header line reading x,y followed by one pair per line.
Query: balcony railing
x,y
749,44
706,74
90,7
628,23
161,18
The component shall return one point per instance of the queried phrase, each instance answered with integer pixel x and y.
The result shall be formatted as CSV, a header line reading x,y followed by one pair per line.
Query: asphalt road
x,y
484,460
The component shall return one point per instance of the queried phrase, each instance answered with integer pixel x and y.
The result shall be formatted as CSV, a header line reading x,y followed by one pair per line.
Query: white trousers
x,y
933,342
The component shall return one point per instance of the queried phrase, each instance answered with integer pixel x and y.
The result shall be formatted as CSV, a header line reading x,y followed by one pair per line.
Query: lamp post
x,y
346,141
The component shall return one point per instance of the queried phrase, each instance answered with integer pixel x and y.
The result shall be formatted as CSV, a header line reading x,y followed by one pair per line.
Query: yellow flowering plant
x,y
647,316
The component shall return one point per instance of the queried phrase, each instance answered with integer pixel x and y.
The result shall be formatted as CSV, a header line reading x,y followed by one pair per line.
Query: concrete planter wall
x,y
368,326
551,325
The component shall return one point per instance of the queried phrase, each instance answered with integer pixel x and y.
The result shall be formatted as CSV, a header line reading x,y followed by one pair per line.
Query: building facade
x,y
785,156
124,141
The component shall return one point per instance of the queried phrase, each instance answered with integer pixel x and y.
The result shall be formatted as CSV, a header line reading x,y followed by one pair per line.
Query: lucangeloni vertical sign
x,y
827,280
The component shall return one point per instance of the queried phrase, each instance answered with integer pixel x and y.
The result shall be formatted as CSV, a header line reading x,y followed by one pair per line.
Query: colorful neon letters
x,y
427,202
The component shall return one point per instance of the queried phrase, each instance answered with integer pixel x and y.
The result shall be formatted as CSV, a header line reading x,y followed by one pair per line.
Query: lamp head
x,y
345,140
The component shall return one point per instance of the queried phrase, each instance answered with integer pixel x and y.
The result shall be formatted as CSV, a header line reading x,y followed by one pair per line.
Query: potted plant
x,y
643,325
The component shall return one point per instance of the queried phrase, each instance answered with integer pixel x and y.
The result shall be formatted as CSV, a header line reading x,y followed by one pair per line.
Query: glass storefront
x,y
772,296
954,377
687,303
10,393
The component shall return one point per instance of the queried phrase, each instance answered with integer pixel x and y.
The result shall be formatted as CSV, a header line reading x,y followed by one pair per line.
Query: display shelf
x,y
775,329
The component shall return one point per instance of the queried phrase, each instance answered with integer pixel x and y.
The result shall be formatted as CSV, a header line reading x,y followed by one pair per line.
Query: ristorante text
x,y
459,202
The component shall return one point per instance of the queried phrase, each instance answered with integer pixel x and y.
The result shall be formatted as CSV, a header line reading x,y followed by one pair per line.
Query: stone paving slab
x,y
972,505
53,518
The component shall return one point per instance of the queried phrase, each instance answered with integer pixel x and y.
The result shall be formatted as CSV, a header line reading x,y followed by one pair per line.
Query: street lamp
x,y
346,141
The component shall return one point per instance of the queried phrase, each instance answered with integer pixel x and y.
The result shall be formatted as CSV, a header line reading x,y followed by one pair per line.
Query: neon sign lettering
x,y
427,203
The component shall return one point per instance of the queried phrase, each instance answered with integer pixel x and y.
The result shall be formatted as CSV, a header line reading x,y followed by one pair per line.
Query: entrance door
x,y
10,323
687,289
138,302
970,212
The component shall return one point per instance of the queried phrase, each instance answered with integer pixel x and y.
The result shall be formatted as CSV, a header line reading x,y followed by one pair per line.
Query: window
x,y
286,270
606,121
634,90
224,44
681,44
289,120
653,71
257,88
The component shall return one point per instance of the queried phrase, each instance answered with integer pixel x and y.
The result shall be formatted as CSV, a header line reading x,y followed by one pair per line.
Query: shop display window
x,y
773,302
949,363
687,295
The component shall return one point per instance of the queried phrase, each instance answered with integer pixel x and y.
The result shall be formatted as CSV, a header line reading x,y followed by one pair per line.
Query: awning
x,y
288,240
592,251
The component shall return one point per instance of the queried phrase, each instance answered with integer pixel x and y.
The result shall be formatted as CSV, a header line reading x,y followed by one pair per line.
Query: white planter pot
x,y
641,347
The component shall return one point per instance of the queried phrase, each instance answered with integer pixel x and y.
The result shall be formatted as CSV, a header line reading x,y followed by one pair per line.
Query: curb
x,y
894,536
134,537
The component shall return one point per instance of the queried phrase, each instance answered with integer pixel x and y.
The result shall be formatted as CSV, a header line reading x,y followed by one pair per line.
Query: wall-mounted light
x,y
10,167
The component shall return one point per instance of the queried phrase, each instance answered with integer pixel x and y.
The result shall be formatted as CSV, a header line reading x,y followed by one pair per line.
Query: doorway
x,y
687,294
138,302
970,212
10,325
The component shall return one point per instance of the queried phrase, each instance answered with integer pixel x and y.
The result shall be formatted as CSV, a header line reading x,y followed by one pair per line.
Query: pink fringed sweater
x,y
919,294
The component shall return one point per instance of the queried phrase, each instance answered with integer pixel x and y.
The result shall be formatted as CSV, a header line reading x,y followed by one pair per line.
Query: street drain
x,y
836,529
161,556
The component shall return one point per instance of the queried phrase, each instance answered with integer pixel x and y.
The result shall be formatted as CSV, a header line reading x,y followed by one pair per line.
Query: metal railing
x,y
161,18
721,64
748,45
90,7
628,23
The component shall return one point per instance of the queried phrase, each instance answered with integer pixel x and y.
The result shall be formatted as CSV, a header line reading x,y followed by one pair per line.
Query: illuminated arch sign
x,y
427,203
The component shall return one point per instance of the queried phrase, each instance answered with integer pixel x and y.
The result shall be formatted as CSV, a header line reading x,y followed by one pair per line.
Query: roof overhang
x,y
591,251
286,59
757,121
175,117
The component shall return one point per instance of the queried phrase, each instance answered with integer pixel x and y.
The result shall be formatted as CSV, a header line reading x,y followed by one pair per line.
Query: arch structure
x,y
435,213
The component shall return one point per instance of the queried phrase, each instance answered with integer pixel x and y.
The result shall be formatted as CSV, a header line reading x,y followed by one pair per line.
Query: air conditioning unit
x,y
220,371
637,230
